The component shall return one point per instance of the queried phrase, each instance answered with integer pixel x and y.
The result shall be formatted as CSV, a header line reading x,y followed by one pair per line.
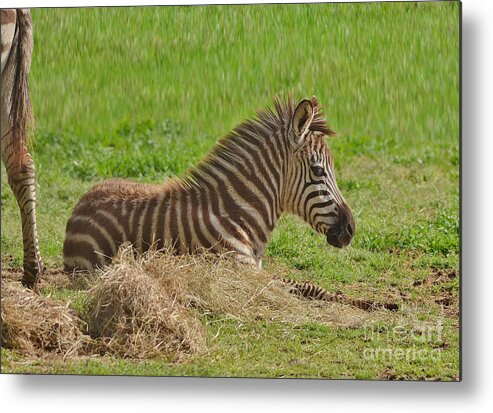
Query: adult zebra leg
x,y
21,178
16,123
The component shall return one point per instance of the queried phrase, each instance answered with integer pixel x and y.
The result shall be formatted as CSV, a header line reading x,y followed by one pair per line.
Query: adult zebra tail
x,y
21,118
311,291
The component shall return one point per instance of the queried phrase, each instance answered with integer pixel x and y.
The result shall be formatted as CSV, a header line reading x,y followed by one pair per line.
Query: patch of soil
x,y
437,277
389,374
441,290
51,278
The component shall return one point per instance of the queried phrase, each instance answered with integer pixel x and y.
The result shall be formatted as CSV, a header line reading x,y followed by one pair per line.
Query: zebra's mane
x,y
254,131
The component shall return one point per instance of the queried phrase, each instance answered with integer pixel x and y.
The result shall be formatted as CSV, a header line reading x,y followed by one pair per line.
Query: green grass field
x,y
144,93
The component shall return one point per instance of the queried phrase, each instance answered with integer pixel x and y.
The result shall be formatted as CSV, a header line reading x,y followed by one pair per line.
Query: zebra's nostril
x,y
349,229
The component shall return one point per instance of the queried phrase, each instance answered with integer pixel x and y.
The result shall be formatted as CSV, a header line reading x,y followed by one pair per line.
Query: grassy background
x,y
145,92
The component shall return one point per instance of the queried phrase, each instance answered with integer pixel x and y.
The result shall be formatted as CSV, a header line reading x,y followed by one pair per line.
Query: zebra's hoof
x,y
31,275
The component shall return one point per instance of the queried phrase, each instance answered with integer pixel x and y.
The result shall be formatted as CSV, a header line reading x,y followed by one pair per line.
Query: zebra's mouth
x,y
341,234
338,240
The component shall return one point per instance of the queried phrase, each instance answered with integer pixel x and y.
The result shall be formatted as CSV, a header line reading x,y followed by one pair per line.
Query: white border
x,y
122,394
65,3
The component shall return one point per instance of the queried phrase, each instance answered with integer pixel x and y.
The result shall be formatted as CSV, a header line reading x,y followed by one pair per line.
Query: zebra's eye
x,y
317,170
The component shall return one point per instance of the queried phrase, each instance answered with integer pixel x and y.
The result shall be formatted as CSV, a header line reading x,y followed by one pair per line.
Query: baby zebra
x,y
231,201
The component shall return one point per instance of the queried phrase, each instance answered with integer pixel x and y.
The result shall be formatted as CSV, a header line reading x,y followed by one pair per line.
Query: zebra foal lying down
x,y
276,163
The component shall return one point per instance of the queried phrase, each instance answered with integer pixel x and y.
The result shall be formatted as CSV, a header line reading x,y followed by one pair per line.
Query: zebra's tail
x,y
311,291
21,114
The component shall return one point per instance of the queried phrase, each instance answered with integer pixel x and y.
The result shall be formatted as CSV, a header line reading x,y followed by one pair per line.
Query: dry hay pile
x,y
36,325
159,304
145,305
138,315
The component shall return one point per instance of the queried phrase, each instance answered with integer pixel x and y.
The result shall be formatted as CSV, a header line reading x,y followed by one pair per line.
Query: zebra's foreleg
x,y
21,178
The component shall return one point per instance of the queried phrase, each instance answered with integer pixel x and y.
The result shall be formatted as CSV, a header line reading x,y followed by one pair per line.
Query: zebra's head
x,y
311,189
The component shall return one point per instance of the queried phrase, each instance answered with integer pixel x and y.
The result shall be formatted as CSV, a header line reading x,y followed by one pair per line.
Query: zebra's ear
x,y
302,118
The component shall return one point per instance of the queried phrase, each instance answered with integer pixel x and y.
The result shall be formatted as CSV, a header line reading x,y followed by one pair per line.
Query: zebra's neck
x,y
242,182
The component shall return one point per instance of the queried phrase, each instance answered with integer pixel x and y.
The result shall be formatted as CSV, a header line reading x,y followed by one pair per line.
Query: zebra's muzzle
x,y
341,234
